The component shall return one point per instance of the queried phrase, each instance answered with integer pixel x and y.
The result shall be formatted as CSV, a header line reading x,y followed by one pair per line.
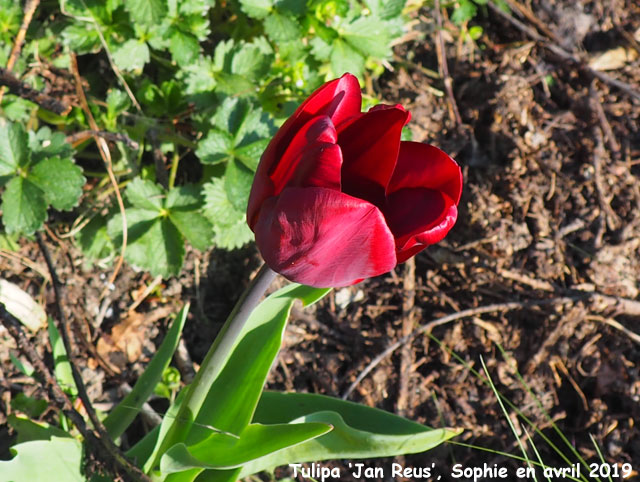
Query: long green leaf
x,y
127,410
222,451
232,399
359,431
62,366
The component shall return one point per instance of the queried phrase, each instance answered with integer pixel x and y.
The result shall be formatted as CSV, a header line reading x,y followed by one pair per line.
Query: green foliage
x,y
37,171
39,459
196,80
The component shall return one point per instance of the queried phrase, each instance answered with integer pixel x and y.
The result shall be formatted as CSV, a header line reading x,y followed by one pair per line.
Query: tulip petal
x,y
318,131
319,166
423,165
370,146
270,179
321,237
419,217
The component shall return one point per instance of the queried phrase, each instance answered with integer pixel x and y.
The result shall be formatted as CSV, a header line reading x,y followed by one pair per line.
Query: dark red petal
x,y
370,146
423,165
319,166
339,99
317,130
269,182
387,106
321,237
419,216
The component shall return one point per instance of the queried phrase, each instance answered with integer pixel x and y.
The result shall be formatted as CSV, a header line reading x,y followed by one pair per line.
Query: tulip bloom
x,y
337,197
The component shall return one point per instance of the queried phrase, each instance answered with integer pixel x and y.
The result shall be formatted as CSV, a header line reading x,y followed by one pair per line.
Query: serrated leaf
x,y
217,207
281,28
215,147
184,47
344,58
368,35
13,148
154,243
145,194
256,8
250,154
80,39
39,459
251,60
237,184
94,240
23,206
147,12
45,143
60,180
183,204
131,55
391,8
232,236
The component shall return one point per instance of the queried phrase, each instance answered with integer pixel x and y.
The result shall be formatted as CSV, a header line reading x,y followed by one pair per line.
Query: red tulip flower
x,y
337,197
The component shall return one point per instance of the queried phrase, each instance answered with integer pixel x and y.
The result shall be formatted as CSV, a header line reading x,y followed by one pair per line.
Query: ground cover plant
x,y
153,116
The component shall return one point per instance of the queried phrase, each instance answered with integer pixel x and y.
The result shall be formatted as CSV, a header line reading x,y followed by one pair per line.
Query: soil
x,y
542,111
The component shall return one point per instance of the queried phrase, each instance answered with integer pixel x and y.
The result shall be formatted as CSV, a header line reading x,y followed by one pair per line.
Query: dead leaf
x,y
613,59
124,344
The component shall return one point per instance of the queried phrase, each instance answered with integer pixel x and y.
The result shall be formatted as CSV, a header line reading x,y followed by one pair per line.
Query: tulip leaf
x,y
223,451
62,366
39,459
125,412
232,398
358,431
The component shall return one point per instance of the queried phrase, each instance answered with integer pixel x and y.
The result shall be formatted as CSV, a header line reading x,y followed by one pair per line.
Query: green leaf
x,y
33,407
13,148
250,154
215,148
131,55
38,459
251,60
464,12
45,144
237,184
147,12
145,194
359,431
232,398
344,58
391,9
62,367
184,47
281,28
23,206
126,411
94,239
232,236
184,204
154,243
60,180
256,8
80,39
29,430
223,451
217,207
369,35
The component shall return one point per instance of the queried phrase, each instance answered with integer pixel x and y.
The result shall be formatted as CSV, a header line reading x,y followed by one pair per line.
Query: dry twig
x,y
102,436
29,10
7,79
444,69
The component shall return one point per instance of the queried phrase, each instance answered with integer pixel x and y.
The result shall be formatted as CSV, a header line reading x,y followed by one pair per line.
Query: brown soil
x,y
549,220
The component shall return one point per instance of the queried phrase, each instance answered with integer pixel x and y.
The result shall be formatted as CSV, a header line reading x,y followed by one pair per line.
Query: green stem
x,y
174,168
213,362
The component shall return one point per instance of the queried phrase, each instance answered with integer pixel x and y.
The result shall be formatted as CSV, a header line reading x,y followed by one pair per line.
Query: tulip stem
x,y
216,358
